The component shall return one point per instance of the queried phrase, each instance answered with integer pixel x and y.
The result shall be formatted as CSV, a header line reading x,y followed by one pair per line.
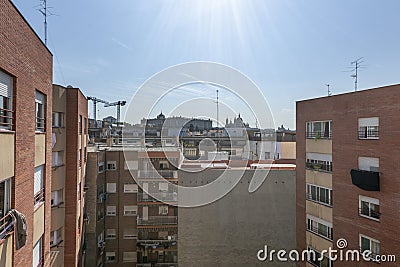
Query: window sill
x,y
318,170
368,217
58,205
57,244
322,236
368,138
38,205
39,132
321,203
57,166
7,131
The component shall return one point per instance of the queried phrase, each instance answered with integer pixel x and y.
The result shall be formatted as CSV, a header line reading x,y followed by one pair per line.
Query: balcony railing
x,y
319,135
158,197
6,226
172,264
366,180
40,124
319,167
368,134
38,197
158,174
372,255
369,213
158,220
319,232
326,203
6,119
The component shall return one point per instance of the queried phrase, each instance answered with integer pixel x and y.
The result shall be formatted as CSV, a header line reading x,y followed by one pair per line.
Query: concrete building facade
x,y
347,174
25,139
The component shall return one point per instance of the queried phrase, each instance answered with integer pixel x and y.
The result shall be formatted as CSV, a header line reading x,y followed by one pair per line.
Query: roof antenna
x,y
329,91
357,65
44,9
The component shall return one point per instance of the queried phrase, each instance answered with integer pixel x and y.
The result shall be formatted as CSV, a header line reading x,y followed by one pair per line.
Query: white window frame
x,y
371,240
312,133
318,194
57,158
56,198
111,188
368,128
370,201
111,233
113,164
130,210
56,237
37,252
58,119
130,188
101,167
6,93
111,210
7,197
110,254
40,111
38,179
163,210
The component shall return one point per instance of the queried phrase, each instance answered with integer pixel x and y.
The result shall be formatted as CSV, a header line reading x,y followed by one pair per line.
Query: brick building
x,y
25,138
347,173
69,156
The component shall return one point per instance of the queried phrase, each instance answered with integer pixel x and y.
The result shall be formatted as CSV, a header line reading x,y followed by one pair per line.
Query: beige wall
x,y
288,150
6,161
57,180
318,242
38,223
318,210
319,178
6,252
57,218
40,147
323,146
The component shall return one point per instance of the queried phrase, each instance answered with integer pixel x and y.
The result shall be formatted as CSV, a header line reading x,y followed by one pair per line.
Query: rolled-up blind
x,y
5,84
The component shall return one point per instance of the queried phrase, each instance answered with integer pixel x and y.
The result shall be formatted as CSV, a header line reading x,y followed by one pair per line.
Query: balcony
x,y
38,197
168,174
172,264
6,119
6,227
319,135
158,220
157,197
324,201
156,243
366,180
327,234
319,167
368,134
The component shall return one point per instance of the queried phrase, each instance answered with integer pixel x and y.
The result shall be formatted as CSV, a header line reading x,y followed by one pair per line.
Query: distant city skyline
x,y
290,49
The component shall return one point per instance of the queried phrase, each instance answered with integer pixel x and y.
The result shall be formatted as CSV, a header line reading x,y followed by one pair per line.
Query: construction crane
x,y
95,101
118,104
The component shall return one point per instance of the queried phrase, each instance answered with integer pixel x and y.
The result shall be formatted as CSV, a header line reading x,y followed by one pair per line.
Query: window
x,y
130,188
129,256
5,197
111,234
319,129
130,210
110,256
163,210
85,126
56,198
55,237
40,111
369,207
319,194
111,165
367,243
111,187
368,164
368,128
130,234
85,154
80,124
79,190
319,227
58,119
101,167
163,187
315,259
80,157
38,185
131,165
57,158
111,210
37,253
319,162
164,165
6,91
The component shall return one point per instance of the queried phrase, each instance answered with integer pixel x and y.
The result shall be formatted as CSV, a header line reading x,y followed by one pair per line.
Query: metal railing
x,y
158,174
40,124
6,226
368,134
317,231
158,264
6,119
310,197
369,213
158,220
38,197
319,135
319,166
371,254
157,197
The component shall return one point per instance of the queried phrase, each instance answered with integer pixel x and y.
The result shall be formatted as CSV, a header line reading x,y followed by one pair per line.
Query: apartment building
x,y
347,173
25,140
127,226
69,157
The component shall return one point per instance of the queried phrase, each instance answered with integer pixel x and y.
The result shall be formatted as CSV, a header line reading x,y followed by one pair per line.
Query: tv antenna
x,y
329,91
44,9
357,65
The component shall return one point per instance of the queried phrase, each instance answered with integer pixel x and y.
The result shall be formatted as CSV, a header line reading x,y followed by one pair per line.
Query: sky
x,y
289,48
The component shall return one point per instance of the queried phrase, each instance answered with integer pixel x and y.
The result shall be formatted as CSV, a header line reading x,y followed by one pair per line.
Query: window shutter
x,y
5,85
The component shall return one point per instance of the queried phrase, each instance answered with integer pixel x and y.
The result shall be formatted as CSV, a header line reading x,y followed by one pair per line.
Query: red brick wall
x,y
344,110
25,57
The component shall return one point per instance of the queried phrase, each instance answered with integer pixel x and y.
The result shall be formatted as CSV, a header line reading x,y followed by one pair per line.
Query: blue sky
x,y
290,49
